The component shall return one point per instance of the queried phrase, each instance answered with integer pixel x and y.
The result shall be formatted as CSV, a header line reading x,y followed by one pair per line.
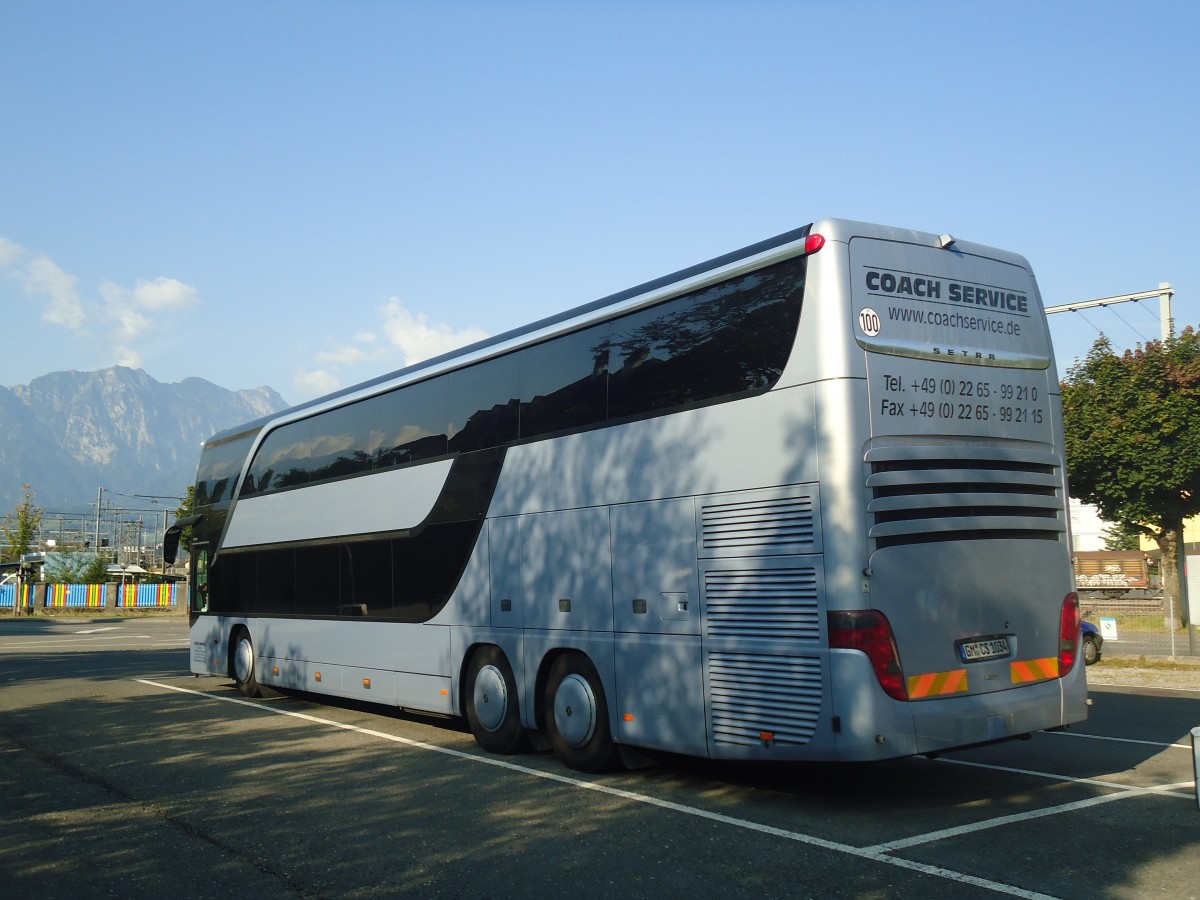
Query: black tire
x,y
241,664
1090,653
576,714
493,708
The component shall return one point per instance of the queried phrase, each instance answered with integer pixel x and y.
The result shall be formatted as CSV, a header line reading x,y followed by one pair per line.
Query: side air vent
x,y
775,603
920,495
756,524
753,695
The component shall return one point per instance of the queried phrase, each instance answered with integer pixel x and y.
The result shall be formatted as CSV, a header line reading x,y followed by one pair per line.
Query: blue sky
x,y
306,195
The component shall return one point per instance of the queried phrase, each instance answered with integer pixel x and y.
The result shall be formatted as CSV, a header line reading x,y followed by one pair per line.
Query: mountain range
x,y
67,434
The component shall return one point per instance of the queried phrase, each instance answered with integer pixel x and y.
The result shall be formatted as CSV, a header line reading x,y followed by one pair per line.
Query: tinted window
x,y
367,581
318,577
311,449
484,404
219,468
276,581
428,567
392,429
409,424
564,382
408,579
727,339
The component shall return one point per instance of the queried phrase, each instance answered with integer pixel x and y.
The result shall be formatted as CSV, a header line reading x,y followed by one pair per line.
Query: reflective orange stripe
x,y
1034,669
935,684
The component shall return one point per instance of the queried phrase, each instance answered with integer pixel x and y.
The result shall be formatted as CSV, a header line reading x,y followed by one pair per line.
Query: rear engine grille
x,y
777,603
754,695
919,498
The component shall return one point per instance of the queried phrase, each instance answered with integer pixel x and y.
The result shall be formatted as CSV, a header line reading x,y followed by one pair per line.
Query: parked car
x,y
1093,642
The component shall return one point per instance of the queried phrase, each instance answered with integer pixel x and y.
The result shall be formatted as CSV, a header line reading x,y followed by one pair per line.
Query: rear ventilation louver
x,y
757,525
755,695
920,498
773,603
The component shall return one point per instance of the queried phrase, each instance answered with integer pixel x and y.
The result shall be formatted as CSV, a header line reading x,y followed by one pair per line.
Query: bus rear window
x,y
948,306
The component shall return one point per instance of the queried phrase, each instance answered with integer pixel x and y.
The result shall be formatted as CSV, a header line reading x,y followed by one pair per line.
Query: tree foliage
x,y
1132,424
1121,537
20,527
76,567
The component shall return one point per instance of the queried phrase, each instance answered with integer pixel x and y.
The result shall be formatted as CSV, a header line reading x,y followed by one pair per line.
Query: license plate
x,y
990,648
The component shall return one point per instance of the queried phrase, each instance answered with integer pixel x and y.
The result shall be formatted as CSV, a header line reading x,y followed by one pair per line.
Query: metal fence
x,y
1141,627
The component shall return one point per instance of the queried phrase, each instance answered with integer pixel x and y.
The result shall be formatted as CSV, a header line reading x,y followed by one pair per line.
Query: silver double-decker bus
x,y
805,501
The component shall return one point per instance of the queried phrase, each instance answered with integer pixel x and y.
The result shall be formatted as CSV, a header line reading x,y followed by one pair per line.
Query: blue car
x,y
1093,642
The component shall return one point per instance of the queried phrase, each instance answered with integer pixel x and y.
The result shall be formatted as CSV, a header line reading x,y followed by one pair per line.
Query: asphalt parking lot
x,y
121,775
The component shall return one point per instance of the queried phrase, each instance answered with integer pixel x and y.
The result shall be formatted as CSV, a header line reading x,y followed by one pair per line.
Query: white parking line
x,y
1018,818
1117,740
1125,789
89,641
878,853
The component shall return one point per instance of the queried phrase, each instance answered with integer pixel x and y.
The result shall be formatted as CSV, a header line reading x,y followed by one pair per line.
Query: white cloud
x,y
41,277
10,253
128,357
129,315
342,355
412,337
315,382
135,314
417,338
164,294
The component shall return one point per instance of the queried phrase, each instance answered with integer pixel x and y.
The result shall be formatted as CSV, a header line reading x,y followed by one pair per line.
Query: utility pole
x,y
99,500
1164,294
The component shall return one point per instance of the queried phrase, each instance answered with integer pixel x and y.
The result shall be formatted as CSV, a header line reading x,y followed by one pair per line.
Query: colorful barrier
x,y
157,595
89,596
8,595
96,596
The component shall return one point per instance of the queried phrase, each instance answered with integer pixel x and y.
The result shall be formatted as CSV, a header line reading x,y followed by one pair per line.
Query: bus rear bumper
x,y
1001,715
873,726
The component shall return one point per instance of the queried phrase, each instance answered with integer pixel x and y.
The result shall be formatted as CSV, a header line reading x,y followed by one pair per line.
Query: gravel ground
x,y
1180,674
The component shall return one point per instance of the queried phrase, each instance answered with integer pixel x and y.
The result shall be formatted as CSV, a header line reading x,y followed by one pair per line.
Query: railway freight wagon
x,y
1113,573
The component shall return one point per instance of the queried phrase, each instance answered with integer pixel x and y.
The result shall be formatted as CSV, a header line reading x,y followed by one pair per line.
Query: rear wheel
x,y
243,664
493,711
1090,653
577,715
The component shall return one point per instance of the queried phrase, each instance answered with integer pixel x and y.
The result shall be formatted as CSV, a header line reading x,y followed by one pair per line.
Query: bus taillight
x,y
813,243
869,630
1069,624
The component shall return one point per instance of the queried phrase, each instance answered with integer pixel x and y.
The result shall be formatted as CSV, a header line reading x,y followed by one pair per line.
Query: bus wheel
x,y
577,715
243,664
492,708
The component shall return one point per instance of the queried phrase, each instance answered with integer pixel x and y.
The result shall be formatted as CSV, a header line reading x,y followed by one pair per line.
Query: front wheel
x,y
491,700
243,665
577,715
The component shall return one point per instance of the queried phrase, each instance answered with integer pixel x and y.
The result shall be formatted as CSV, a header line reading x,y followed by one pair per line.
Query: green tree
x,y
1121,537
1132,426
76,567
20,527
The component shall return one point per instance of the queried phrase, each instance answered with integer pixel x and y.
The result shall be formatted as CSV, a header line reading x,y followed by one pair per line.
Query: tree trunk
x,y
1170,542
